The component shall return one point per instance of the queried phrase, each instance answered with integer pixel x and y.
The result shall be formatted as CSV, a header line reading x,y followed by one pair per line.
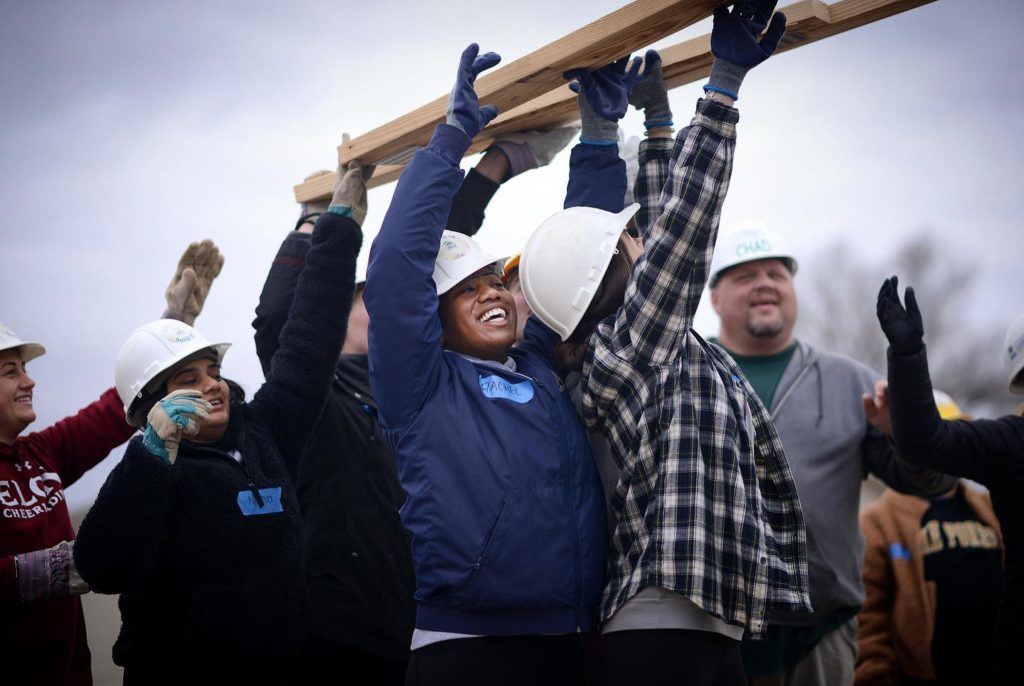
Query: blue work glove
x,y
180,412
650,94
737,45
902,326
603,98
464,111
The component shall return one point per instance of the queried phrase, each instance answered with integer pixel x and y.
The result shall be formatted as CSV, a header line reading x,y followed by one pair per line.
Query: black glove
x,y
903,327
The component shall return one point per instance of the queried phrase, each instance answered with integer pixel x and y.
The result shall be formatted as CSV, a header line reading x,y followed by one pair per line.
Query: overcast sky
x,y
129,129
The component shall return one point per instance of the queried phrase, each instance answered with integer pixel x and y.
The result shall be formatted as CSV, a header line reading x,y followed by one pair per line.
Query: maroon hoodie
x,y
45,640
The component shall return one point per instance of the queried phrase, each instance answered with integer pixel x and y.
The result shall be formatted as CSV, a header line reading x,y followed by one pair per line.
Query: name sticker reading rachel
x,y
497,387
249,505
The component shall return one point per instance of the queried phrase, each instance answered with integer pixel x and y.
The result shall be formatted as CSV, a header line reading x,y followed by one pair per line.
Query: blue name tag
x,y
897,551
248,504
497,387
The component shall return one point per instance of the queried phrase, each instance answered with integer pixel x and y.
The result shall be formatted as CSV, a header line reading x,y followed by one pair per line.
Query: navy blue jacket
x,y
504,503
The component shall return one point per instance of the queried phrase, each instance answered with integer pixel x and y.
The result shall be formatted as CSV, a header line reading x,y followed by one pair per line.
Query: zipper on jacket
x,y
570,500
789,391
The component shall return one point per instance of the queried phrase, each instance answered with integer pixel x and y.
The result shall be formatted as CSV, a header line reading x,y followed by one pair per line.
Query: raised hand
x,y
197,268
349,198
650,94
603,98
737,43
902,325
464,110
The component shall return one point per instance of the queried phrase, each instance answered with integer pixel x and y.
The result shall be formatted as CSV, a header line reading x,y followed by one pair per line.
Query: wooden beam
x,y
807,21
639,23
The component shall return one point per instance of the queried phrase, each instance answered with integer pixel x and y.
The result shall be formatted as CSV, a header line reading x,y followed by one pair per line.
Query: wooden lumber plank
x,y
807,21
321,187
639,23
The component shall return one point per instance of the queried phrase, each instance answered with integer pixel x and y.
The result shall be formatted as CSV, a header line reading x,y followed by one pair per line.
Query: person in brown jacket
x,y
932,571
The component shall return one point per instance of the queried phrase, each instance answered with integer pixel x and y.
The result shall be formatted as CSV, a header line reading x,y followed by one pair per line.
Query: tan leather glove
x,y
181,412
186,293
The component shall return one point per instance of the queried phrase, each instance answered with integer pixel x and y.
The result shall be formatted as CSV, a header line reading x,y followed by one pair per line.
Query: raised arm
x,y
983,450
401,295
651,96
667,283
277,295
597,175
279,288
302,367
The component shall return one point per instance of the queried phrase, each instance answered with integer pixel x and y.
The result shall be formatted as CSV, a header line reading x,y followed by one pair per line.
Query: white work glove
x,y
181,412
48,573
186,293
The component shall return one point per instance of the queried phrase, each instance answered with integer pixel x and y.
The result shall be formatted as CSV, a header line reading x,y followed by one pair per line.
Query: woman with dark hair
x,y
198,527
709,536
504,504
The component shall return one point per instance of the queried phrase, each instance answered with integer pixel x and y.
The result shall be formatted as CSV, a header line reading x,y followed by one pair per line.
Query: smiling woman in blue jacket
x,y
504,503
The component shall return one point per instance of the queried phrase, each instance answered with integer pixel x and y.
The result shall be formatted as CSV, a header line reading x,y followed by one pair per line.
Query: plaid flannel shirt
x,y
706,504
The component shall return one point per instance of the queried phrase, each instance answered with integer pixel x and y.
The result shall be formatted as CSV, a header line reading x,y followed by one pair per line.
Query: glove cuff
x,y
449,142
155,445
658,114
33,570
520,157
599,131
725,78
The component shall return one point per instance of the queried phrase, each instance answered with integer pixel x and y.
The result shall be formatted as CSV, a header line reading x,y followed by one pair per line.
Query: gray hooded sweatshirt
x,y
831,448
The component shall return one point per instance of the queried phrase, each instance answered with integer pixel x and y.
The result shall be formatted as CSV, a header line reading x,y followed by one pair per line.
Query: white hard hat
x,y
1013,354
564,261
29,350
459,256
747,242
150,351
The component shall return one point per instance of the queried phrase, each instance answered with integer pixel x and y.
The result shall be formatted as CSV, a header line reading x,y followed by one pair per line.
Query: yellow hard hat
x,y
948,409
511,264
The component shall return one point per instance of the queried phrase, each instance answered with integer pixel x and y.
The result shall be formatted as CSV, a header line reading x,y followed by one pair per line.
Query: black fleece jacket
x,y
357,553
206,553
990,452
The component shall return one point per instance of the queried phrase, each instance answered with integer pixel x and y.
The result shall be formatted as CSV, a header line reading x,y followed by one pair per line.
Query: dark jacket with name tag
x,y
207,553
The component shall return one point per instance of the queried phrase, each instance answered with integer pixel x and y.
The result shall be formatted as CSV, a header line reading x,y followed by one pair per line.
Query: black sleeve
x,y
277,294
467,211
990,452
311,339
118,545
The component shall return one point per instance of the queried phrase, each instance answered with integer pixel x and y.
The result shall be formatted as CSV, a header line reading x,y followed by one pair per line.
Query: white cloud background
x,y
129,129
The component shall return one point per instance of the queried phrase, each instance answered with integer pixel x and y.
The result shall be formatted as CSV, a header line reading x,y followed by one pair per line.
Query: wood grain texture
x,y
807,21
639,23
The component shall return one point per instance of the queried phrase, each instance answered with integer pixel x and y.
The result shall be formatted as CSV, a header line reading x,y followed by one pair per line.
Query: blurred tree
x,y
837,290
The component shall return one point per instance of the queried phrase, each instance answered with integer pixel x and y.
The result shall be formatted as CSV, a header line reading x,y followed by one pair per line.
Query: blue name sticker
x,y
497,387
248,504
897,551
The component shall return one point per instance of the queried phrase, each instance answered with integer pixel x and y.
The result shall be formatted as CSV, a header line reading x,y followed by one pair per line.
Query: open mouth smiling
x,y
495,315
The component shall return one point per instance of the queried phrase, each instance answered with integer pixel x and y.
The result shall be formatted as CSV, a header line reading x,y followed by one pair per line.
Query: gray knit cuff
x,y
726,78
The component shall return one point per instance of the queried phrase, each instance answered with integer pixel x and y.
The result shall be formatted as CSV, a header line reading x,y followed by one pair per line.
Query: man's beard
x,y
763,329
